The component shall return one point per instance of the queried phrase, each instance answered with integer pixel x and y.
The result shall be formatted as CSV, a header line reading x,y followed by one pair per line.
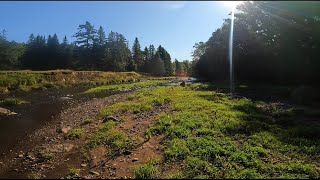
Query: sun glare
x,y
231,4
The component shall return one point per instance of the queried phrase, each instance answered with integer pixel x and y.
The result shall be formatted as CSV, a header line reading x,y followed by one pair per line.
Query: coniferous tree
x,y
137,55
86,35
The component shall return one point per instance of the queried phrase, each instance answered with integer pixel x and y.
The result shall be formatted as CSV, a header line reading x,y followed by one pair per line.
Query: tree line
x,y
274,42
92,50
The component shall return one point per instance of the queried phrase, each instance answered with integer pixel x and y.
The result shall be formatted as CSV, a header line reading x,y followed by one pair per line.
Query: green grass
x,y
27,80
116,141
73,173
212,135
147,170
125,86
75,133
137,103
88,121
46,156
13,101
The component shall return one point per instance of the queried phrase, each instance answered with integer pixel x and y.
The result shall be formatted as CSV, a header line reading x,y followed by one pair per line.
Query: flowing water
x,y
43,107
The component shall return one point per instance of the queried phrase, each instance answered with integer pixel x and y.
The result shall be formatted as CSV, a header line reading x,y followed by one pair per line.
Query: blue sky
x,y
175,25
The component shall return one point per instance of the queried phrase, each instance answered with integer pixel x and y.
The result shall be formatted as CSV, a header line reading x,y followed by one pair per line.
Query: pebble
x,y
20,155
135,159
94,173
83,165
30,157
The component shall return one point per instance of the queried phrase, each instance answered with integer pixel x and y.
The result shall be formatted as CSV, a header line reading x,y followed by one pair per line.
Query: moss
x,y
75,133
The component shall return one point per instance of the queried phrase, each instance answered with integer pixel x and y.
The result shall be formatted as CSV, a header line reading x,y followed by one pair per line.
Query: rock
x,y
65,129
110,118
65,98
20,155
30,157
97,155
135,159
67,147
183,84
84,165
6,111
94,173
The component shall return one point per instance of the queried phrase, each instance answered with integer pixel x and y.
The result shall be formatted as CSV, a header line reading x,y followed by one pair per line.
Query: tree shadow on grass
x,y
283,122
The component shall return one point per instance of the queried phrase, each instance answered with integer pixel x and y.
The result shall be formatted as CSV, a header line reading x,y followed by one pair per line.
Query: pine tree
x,y
165,56
86,35
137,55
146,57
101,37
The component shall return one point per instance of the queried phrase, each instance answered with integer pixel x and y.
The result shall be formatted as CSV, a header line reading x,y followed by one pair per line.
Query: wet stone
x,y
94,173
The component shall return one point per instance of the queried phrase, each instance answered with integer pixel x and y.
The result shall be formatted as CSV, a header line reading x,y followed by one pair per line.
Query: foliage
x,y
92,50
182,68
275,42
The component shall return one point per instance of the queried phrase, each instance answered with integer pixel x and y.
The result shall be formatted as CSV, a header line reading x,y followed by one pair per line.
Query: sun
x,y
231,4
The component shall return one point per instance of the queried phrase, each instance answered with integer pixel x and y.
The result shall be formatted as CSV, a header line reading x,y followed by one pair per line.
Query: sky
x,y
175,25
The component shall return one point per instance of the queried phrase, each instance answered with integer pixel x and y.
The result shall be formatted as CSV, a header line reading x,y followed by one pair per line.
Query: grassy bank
x,y
125,86
26,80
212,135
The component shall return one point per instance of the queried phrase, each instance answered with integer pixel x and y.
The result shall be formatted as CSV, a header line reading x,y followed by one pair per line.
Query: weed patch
x,y
117,141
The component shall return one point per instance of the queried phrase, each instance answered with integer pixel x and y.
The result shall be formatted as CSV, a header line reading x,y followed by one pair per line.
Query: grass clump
x,y
88,121
147,171
73,173
75,133
138,102
13,101
117,141
46,156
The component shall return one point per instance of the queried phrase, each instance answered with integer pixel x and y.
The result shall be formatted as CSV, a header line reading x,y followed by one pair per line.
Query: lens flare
x,y
231,3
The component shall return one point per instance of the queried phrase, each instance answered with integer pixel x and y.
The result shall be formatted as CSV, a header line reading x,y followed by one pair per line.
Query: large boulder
x,y
183,84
